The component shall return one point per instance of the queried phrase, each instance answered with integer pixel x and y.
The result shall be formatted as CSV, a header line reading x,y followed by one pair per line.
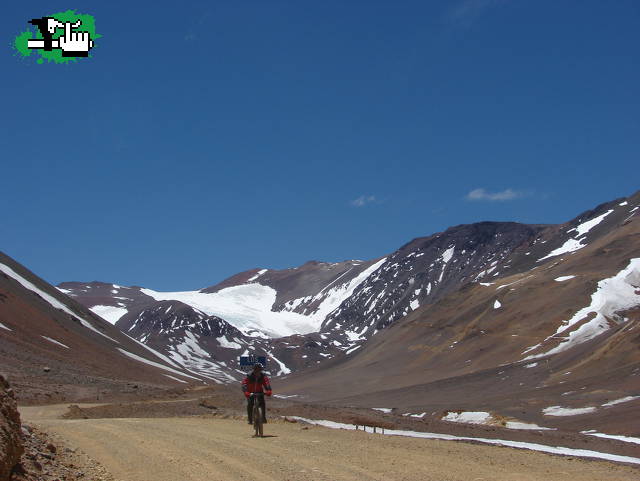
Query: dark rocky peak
x,y
428,268
235,280
305,281
173,316
96,293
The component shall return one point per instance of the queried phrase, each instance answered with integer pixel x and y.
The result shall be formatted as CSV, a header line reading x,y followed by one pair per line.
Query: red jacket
x,y
253,383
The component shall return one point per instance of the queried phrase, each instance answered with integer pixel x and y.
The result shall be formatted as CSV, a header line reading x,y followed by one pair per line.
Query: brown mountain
x,y
53,348
557,332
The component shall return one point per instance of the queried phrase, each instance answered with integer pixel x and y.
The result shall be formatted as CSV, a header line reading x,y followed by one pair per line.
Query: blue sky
x,y
207,138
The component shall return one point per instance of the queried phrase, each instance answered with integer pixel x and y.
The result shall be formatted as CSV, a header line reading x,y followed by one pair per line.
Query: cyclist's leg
x,y
250,409
264,409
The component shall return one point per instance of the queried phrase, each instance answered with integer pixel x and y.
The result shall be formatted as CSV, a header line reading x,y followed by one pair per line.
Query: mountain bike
x,y
257,414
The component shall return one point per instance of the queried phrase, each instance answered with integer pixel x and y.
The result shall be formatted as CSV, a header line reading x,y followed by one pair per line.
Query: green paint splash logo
x,y
64,40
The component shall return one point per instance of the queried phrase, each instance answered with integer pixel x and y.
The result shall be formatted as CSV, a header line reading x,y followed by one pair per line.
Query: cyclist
x,y
255,382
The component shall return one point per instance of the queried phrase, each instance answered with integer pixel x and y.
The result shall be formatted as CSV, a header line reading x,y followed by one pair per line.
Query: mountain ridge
x,y
421,272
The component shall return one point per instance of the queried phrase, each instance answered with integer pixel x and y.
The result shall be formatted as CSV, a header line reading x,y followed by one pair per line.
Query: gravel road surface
x,y
208,449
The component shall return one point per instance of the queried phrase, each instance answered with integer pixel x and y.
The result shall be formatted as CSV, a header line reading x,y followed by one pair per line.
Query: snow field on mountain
x,y
283,369
445,258
332,297
575,244
614,294
248,307
226,343
155,364
111,314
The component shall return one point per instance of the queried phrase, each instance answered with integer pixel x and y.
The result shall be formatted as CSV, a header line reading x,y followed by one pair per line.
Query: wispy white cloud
x,y
363,200
196,26
467,11
482,194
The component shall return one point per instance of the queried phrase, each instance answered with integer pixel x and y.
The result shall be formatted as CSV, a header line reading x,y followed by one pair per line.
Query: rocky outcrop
x,y
11,447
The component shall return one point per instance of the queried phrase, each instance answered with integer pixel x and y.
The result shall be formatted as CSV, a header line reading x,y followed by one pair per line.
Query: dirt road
x,y
208,449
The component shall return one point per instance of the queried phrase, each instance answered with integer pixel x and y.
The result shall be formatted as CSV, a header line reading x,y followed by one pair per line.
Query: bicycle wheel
x,y
257,421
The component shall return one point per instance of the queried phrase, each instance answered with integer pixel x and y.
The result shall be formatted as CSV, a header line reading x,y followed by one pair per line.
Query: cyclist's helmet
x,y
258,364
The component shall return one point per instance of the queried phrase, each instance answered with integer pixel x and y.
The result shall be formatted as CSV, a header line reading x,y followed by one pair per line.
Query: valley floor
x,y
205,448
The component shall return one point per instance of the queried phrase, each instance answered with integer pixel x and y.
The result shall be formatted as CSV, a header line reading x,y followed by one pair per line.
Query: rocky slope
x,y
11,447
552,340
53,348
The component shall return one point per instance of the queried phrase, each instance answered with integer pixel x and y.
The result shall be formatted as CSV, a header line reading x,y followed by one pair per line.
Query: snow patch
x,y
468,417
55,342
575,244
626,439
353,349
110,314
585,227
620,401
283,368
5,327
617,293
563,451
50,299
352,336
526,426
224,342
497,305
563,278
154,364
191,343
560,411
383,410
153,351
258,274
571,245
445,258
